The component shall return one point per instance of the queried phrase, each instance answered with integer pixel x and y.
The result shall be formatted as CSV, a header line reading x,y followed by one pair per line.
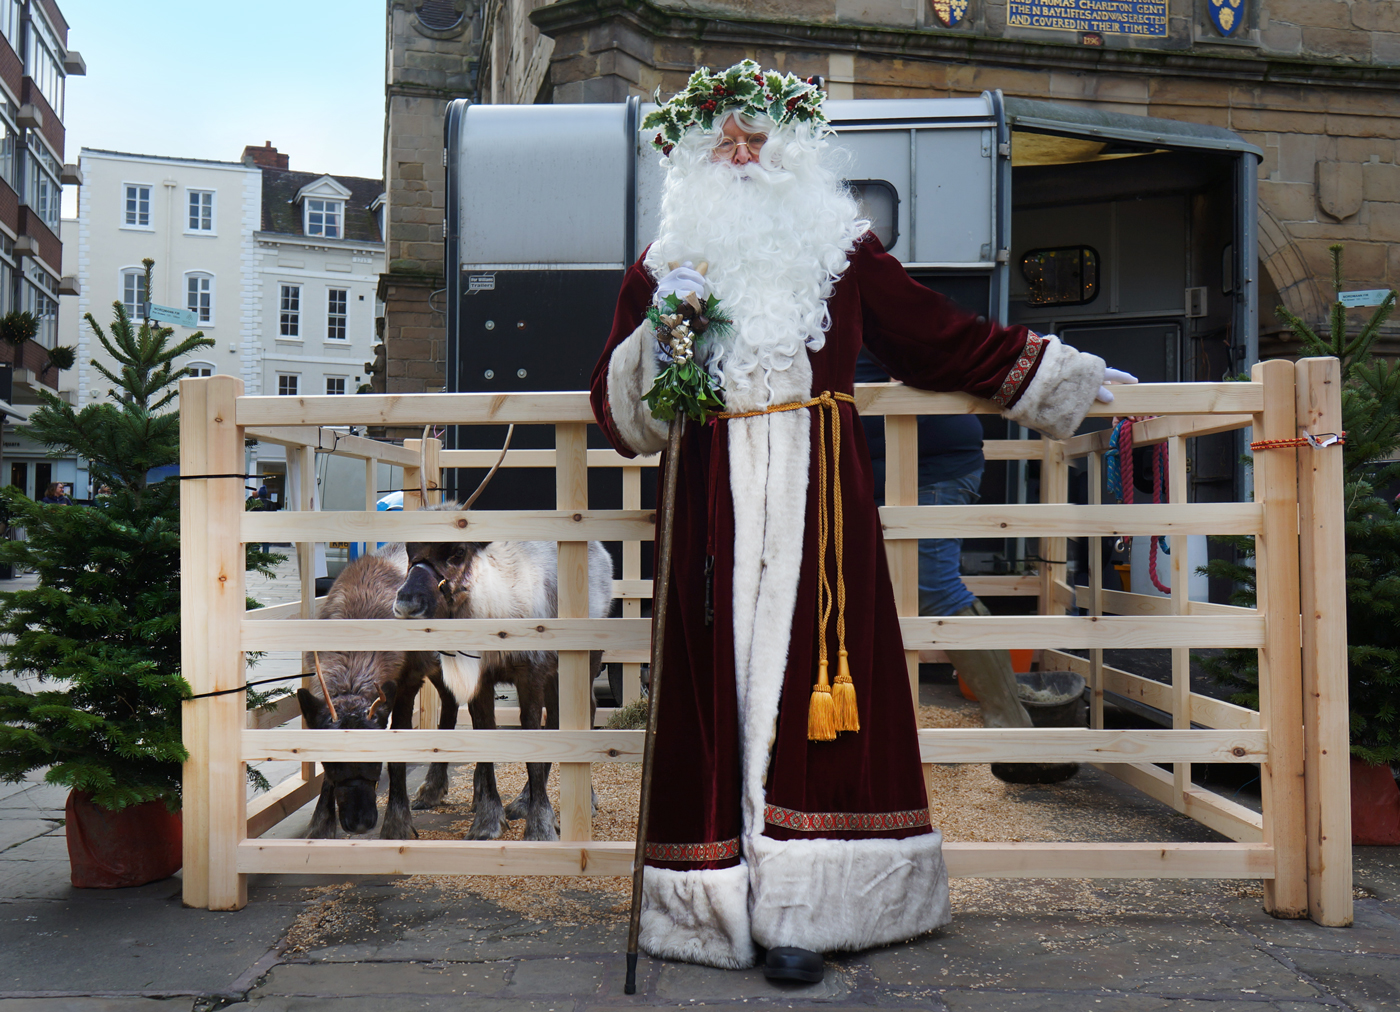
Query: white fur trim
x,y
631,372
830,895
1061,392
698,916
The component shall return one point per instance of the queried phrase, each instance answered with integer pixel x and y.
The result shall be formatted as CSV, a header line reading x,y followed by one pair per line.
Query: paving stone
x,y
382,979
682,981
1375,929
130,941
569,976
40,799
1378,869
24,879
14,832
403,1003
1366,983
1180,955
1042,1001
94,1004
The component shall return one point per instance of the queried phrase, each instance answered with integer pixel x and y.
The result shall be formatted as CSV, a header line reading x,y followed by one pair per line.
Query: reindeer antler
x,y
330,705
491,473
375,705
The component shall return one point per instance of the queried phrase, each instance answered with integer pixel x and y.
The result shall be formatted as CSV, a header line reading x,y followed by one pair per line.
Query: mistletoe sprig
x,y
684,387
743,87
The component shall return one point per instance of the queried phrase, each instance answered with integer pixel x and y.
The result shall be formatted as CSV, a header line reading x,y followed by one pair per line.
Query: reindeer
x,y
498,579
360,689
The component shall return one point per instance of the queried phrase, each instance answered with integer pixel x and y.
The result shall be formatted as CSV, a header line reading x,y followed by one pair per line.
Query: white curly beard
x,y
776,235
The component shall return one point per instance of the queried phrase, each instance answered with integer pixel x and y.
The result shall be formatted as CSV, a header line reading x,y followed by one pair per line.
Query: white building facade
x,y
279,267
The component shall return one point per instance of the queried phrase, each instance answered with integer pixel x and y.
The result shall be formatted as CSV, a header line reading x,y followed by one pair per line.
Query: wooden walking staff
x,y
661,586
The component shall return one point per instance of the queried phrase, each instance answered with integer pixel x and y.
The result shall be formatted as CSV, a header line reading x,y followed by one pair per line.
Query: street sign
x,y
1373,297
169,314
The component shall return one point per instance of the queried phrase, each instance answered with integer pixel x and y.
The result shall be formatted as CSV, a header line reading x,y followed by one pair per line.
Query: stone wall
x,y
514,55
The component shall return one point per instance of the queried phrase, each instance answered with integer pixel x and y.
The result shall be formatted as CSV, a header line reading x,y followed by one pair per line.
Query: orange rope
x,y
1307,439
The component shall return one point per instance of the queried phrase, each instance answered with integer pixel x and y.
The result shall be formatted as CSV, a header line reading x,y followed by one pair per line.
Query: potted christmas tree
x,y
101,631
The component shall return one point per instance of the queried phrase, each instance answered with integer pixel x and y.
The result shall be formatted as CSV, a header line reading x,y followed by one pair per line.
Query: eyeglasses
x,y
728,145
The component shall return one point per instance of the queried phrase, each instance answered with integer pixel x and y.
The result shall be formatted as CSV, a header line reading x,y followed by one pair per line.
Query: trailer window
x,y
879,201
1065,276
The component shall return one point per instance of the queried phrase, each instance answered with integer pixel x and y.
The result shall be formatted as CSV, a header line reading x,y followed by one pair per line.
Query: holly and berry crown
x,y
744,88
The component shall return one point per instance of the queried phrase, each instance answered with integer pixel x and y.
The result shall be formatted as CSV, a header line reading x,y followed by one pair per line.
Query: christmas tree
x,y
1371,417
103,625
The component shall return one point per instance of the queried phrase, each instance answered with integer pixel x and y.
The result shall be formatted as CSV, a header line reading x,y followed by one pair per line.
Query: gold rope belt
x,y
830,710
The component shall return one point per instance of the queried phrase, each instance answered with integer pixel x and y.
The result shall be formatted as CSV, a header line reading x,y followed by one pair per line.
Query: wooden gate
x,y
1299,846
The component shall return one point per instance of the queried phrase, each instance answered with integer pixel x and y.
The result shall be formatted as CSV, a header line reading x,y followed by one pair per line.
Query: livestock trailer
x,y
1129,236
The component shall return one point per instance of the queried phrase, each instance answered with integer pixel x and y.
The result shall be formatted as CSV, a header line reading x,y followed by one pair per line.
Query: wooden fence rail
x,y
1298,845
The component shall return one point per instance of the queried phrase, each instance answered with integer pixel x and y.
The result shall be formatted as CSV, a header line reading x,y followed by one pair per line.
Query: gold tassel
x,y
821,713
843,694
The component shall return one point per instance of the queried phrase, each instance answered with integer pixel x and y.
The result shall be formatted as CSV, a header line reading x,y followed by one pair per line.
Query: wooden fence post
x,y
902,489
414,481
1280,661
211,612
1322,570
1054,552
575,687
1179,492
631,570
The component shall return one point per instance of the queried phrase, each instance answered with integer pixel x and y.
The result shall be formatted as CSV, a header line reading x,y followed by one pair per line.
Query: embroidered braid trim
x,y
693,853
1029,354
837,822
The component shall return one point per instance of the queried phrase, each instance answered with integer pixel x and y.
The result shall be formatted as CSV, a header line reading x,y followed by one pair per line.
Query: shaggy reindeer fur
x,y
499,579
355,680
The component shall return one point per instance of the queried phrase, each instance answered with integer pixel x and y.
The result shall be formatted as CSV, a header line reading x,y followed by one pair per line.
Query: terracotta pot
x,y
112,850
1375,805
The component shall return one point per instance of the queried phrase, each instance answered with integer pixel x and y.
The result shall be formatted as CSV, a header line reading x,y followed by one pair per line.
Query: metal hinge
x,y
1004,149
1003,256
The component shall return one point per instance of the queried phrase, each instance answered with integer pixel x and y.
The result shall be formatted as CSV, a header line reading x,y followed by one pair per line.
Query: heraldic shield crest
x,y
950,12
1226,15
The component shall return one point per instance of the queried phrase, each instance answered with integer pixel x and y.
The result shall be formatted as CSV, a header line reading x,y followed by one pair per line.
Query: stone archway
x,y
1287,268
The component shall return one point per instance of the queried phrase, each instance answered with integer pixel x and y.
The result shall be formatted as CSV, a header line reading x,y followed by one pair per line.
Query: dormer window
x,y
323,217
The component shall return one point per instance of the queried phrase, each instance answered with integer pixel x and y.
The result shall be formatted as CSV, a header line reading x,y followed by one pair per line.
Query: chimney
x,y
266,155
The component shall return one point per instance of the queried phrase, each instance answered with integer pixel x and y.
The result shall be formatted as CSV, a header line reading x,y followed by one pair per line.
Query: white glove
x,y
681,282
1111,376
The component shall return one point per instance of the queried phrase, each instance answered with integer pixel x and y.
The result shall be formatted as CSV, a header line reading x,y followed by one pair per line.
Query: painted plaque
x,y
950,12
1108,17
1226,15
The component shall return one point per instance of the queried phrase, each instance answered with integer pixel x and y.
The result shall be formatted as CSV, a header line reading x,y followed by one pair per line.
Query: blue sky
x,y
202,79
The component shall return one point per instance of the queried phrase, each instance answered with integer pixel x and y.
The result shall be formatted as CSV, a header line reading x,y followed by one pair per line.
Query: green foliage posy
x,y
103,625
1371,417
686,388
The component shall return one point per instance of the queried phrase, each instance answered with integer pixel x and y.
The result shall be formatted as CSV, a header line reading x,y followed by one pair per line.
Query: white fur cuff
x,y
631,372
831,895
698,916
1061,392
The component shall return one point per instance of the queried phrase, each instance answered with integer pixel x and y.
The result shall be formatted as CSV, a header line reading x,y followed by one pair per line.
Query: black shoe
x,y
1034,773
787,962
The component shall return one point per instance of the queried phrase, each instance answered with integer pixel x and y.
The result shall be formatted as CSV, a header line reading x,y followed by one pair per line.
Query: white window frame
x,y
329,207
289,316
344,382
45,65
137,318
126,196
213,227
43,193
289,379
195,367
201,276
343,317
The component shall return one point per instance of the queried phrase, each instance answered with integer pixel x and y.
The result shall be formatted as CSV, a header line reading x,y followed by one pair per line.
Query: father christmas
x,y
789,806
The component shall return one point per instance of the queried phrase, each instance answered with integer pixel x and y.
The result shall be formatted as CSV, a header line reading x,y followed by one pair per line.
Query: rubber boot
x,y
990,676
993,681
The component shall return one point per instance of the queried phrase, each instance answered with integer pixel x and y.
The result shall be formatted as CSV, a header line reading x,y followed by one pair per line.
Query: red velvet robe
x,y
864,786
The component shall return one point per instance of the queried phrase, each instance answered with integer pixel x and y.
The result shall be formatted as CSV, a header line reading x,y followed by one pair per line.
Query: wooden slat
x,y
968,745
460,746
1118,602
1066,520
332,440
965,860
1180,602
1280,663
1210,809
1003,586
434,857
575,688
286,798
1052,745
278,611
539,458
456,634
640,589
1140,399
417,409
631,573
902,490
1012,449
1109,860
1158,430
282,710
1095,595
509,716
1010,632
1205,710
212,601
444,525
1322,567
